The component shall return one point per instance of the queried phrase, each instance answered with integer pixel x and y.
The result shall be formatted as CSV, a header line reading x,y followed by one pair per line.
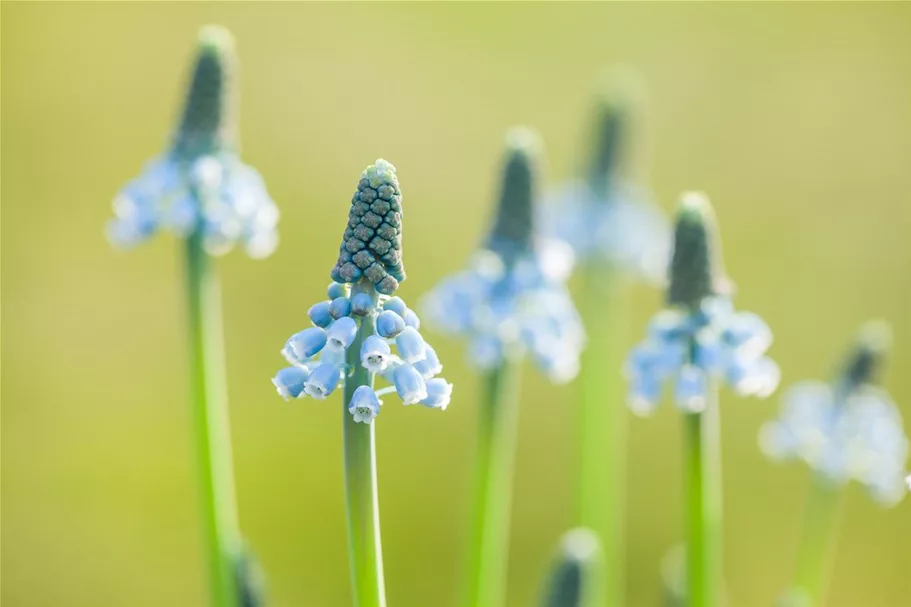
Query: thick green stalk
x,y
817,545
212,434
702,459
602,424
364,547
488,552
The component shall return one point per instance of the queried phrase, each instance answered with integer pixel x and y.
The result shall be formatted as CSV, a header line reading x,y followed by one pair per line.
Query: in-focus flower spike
x,y
372,243
200,186
371,336
604,216
848,429
699,337
395,351
512,299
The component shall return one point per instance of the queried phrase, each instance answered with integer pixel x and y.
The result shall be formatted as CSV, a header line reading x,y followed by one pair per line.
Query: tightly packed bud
x,y
372,244
867,357
576,575
609,130
511,235
209,121
696,271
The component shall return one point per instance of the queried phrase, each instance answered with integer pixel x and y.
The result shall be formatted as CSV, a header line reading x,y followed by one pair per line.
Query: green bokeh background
x,y
796,119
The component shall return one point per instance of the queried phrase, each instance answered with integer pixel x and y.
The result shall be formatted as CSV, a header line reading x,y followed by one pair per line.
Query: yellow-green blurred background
x,y
796,119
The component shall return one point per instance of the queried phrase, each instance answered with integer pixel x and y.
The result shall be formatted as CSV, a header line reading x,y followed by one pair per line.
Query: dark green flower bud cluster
x,y
209,121
513,230
697,271
372,244
867,357
576,578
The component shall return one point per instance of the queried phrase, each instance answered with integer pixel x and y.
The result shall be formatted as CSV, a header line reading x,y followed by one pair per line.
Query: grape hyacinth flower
x,y
618,235
511,301
200,190
606,217
360,332
576,579
699,338
199,186
696,343
845,430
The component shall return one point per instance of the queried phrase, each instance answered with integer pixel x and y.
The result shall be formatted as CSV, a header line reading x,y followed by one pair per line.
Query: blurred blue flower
x,y
512,299
200,186
690,349
847,430
623,227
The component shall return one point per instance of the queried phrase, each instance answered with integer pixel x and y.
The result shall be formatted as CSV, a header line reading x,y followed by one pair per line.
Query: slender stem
x,y
212,434
702,454
489,549
817,546
602,425
364,547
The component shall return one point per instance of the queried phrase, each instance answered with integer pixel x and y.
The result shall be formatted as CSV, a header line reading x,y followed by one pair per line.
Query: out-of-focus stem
x,y
702,458
602,422
488,551
211,429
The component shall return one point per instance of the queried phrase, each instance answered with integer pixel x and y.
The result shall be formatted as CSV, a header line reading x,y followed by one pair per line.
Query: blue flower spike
x,y
370,255
847,429
200,186
512,299
699,338
606,217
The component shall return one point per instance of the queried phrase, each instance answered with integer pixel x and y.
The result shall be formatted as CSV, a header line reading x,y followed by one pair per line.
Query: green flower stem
x,y
364,547
702,456
212,434
602,424
489,548
817,546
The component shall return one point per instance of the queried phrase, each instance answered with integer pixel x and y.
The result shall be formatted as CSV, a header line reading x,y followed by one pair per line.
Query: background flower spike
x,y
577,577
848,429
209,123
199,188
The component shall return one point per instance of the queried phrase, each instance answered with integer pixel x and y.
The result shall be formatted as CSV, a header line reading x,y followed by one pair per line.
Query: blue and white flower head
x,y
699,338
605,217
200,187
366,276
847,429
512,299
